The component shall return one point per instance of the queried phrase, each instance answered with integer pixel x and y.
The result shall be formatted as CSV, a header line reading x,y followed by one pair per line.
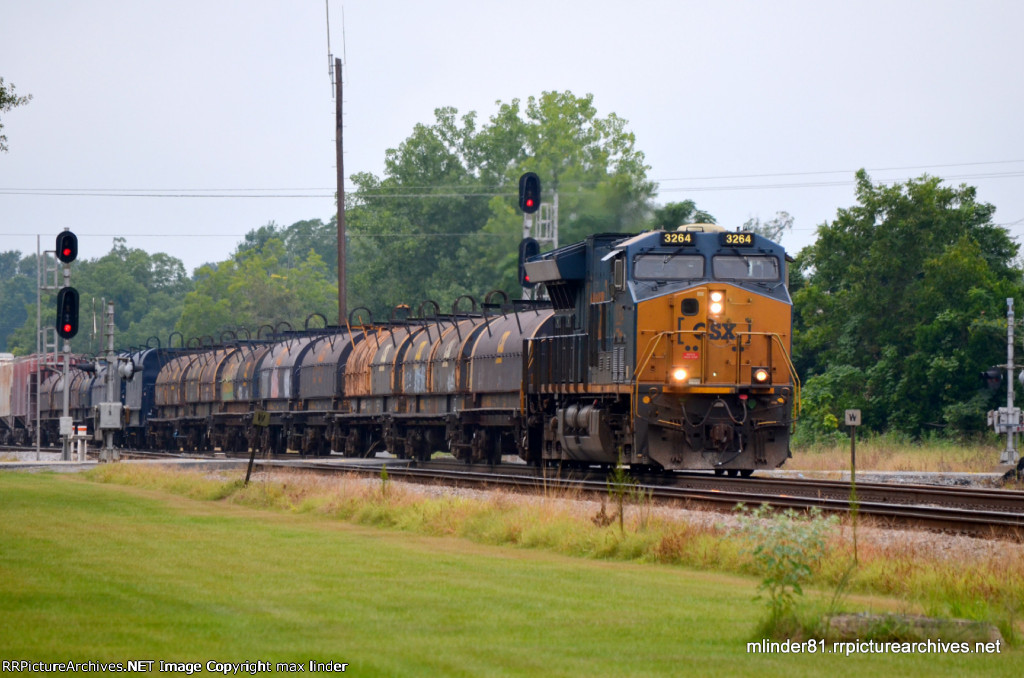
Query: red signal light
x,y
529,192
67,312
67,247
529,247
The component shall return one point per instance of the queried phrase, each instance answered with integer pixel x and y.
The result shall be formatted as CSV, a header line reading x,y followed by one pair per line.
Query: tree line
x,y
898,304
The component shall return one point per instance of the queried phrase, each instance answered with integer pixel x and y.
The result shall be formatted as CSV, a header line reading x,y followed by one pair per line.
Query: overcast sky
x,y
747,108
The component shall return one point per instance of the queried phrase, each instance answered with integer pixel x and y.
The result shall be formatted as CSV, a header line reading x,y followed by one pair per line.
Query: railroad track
x,y
978,511
982,512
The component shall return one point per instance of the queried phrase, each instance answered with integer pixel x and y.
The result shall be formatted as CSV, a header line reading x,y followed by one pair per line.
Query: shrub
x,y
785,548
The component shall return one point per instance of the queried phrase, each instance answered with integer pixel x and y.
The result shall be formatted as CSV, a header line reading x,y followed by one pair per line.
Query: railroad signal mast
x,y
540,224
66,326
1007,419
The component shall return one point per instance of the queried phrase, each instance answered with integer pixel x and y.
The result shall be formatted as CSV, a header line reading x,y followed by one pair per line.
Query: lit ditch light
x,y
761,375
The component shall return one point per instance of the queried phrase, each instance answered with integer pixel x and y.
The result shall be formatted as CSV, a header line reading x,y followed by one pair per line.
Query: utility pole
x,y
39,340
340,153
334,68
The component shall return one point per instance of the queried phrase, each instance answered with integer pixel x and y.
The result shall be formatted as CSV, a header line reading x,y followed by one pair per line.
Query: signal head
x,y
67,312
529,193
992,378
528,248
67,246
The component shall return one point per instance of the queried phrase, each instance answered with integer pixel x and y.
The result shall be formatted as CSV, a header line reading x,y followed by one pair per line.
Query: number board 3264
x,y
676,238
742,239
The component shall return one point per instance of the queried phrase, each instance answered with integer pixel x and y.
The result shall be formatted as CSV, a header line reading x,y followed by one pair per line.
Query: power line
x,y
477,234
819,172
470,191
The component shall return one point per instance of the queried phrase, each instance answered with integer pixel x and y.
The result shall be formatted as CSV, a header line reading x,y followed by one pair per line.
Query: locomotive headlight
x,y
761,375
717,302
679,374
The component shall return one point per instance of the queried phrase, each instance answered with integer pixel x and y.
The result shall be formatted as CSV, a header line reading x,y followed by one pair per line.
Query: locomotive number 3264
x,y
741,239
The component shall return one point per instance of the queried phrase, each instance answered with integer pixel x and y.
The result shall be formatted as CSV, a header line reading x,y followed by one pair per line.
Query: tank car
x,y
139,370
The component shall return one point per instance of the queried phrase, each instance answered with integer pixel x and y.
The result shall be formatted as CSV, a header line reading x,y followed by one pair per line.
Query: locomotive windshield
x,y
668,267
728,267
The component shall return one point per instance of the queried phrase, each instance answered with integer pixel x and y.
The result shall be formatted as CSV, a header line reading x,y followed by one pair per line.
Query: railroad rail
x,y
985,512
981,512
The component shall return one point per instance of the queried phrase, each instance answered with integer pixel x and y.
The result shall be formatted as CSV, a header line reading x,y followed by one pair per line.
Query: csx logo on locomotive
x,y
715,331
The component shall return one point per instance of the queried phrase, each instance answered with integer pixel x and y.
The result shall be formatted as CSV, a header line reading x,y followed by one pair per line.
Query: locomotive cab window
x,y
619,273
668,267
745,267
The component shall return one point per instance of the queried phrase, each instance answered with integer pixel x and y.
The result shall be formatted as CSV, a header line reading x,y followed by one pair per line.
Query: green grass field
x,y
110,573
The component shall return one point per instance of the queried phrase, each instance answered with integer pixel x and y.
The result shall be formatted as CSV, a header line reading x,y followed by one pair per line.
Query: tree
x,y
773,229
17,300
254,288
8,101
901,306
442,220
147,291
298,239
675,214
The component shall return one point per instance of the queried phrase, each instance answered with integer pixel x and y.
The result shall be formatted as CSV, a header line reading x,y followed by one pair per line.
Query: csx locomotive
x,y
667,349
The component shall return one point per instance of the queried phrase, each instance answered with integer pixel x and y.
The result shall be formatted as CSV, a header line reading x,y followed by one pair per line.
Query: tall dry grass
x,y
987,586
889,453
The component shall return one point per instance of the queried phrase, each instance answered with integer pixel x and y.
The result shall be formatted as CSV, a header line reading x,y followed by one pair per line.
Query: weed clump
x,y
785,548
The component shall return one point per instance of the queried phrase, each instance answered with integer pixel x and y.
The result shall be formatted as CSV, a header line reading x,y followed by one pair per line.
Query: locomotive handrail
x,y
652,344
774,337
656,339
